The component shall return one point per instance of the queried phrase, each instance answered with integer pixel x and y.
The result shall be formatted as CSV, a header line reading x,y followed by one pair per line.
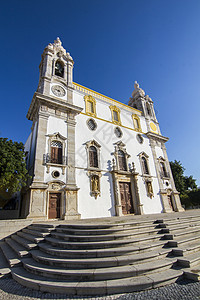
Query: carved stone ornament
x,y
57,48
137,91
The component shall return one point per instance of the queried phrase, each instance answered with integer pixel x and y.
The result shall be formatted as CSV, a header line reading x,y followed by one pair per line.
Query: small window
x,y
90,105
136,123
115,111
148,109
145,166
115,116
93,157
140,138
91,124
59,69
118,132
55,174
163,170
122,160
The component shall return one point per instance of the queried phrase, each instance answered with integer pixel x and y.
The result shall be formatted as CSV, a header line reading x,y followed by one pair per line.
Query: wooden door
x,y
56,155
170,202
126,198
54,205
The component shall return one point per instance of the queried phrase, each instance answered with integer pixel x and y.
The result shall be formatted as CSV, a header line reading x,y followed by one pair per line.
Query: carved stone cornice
x,y
39,99
156,137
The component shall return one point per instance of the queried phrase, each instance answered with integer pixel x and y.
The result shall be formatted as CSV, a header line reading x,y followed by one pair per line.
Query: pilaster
x,y
175,193
135,192
71,190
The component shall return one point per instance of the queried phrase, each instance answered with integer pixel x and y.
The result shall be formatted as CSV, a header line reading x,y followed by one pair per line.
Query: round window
x,y
140,138
55,174
92,125
118,132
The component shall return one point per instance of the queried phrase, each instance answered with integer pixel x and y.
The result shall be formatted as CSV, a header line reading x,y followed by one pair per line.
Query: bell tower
x,y
157,142
56,72
52,147
144,103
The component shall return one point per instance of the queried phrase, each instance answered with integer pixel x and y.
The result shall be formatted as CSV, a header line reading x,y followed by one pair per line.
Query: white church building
x,y
90,156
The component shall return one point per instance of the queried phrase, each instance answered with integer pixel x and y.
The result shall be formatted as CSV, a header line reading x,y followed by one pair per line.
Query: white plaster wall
x,y
54,125
88,206
57,125
104,135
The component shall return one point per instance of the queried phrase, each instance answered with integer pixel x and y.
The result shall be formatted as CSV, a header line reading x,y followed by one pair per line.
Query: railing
x,y
48,159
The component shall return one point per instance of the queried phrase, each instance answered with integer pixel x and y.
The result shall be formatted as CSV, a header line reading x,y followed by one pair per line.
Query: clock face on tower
x,y
58,91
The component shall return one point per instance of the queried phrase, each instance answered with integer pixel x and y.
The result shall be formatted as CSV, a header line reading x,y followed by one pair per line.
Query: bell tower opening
x,y
59,69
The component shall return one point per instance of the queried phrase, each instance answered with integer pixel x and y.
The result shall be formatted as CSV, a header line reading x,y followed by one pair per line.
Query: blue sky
x,y
113,43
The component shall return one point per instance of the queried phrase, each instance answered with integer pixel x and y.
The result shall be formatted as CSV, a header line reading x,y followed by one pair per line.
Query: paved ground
x,y
184,290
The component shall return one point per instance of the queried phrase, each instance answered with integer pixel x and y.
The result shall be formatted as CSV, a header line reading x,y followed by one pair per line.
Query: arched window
x,y
90,105
115,112
148,109
136,123
163,169
145,166
59,69
122,160
93,157
56,152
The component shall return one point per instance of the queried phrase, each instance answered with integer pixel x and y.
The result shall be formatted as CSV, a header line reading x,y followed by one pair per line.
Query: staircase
x,y
115,256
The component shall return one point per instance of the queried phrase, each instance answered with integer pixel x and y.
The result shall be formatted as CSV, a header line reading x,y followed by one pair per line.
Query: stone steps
x,y
30,237
115,256
20,250
105,287
22,241
97,274
35,232
10,255
98,262
189,260
190,247
101,244
5,270
95,232
106,237
182,220
36,227
107,252
193,273
183,239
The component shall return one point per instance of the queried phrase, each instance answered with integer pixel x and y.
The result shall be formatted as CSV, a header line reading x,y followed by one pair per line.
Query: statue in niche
x,y
95,184
150,189
95,190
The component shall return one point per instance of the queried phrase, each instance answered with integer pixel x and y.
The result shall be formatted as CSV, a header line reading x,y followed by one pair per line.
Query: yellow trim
x,y
89,98
113,109
136,120
111,122
84,89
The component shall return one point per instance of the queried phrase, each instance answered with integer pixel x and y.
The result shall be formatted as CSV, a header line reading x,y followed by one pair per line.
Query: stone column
x,y
175,193
71,189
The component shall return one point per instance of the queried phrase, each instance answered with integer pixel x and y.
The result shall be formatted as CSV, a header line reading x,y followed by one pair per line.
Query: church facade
x,y
89,155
